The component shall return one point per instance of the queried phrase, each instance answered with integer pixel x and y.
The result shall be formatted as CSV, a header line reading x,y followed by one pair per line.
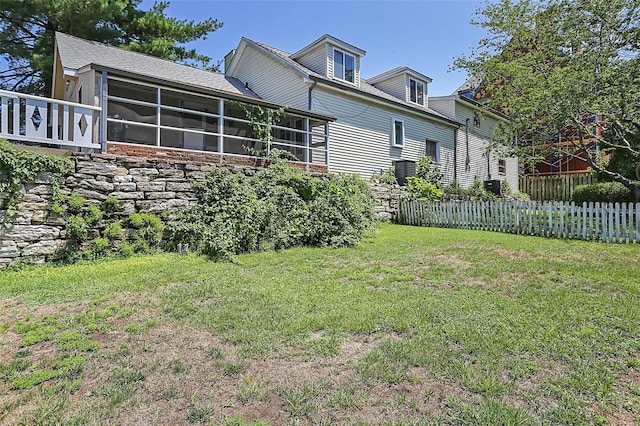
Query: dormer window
x,y
344,66
416,91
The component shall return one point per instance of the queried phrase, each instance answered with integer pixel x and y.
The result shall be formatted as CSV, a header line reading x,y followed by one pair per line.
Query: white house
x,y
127,103
380,121
474,160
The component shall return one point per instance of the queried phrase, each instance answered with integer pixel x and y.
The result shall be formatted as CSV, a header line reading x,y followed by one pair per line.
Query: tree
x,y
27,35
564,69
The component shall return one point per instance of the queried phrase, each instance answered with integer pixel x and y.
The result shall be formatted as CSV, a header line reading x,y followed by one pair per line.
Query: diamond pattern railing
x,y
37,119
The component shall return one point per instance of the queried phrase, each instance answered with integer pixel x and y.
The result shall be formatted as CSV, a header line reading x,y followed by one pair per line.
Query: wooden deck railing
x,y
44,120
619,223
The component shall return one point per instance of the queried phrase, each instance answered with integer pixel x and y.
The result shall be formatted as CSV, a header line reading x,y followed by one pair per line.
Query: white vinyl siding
x,y
479,138
270,79
315,60
359,141
445,106
395,86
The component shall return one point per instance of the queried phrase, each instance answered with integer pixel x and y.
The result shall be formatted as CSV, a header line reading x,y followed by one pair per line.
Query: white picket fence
x,y
619,223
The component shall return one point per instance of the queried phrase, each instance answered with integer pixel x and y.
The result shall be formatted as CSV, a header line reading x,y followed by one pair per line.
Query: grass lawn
x,y
415,326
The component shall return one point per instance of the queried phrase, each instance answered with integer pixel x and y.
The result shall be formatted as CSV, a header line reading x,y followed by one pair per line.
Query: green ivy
x,y
19,167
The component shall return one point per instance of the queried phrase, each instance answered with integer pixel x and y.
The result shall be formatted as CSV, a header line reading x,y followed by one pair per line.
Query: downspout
x,y
455,155
467,161
310,100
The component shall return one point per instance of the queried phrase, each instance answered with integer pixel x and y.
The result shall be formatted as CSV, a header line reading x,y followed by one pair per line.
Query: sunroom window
x,y
344,66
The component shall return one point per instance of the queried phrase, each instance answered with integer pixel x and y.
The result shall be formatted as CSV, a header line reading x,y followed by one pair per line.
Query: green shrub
x,y
388,177
126,249
280,206
341,214
111,205
75,203
421,189
478,192
112,231
93,215
148,226
607,192
77,227
429,171
99,247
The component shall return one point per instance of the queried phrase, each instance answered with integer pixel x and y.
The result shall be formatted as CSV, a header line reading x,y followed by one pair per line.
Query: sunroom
x,y
139,103
142,113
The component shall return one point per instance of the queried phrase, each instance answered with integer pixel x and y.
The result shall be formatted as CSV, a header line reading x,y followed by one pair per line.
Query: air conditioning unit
x,y
404,168
492,186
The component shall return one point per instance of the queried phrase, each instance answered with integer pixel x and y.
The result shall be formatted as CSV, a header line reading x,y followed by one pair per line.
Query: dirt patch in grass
x,y
172,373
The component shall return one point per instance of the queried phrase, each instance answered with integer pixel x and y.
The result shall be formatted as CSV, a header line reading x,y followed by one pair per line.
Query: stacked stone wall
x,y
141,184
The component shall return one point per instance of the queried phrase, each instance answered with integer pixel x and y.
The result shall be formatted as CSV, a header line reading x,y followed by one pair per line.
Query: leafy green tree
x,y
563,69
27,30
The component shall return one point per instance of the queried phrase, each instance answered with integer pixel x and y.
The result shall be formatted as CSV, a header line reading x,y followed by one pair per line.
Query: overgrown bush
x,y
429,171
476,191
280,206
607,192
388,177
423,190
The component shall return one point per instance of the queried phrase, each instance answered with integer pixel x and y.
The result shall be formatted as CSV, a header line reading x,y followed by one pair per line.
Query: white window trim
x,y
355,65
393,132
437,161
503,173
424,91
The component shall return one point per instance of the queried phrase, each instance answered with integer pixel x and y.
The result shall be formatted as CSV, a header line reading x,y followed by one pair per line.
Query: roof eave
x,y
211,91
328,38
487,109
398,103
402,70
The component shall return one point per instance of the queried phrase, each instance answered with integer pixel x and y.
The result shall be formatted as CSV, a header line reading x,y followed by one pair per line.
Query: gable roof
x,y
329,39
77,54
397,71
365,88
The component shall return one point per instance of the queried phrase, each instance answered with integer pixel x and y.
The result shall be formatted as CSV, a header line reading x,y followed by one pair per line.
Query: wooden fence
x,y
556,187
617,222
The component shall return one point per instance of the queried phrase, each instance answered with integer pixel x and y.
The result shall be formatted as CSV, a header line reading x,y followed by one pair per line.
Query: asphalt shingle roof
x,y
76,53
364,88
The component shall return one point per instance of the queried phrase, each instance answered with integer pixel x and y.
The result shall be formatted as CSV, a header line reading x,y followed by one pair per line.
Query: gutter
x,y
467,161
385,101
168,84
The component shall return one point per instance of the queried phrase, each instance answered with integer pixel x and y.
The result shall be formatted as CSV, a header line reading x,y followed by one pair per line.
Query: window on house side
x,y
397,132
502,167
416,91
344,66
431,150
476,119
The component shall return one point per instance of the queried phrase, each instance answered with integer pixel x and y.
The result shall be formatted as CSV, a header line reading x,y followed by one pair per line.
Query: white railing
x,y
606,222
44,120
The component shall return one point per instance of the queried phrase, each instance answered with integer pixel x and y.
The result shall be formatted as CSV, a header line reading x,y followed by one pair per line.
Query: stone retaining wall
x,y
141,184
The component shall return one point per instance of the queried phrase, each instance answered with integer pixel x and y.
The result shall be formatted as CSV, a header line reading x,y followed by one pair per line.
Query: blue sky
x,y
425,35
